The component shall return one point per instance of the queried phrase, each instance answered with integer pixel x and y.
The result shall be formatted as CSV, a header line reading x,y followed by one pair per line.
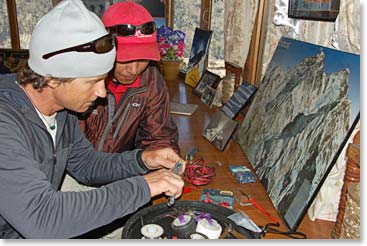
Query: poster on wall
x,y
299,121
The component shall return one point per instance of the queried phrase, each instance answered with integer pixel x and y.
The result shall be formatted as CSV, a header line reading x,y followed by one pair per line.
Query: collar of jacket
x,y
116,87
13,94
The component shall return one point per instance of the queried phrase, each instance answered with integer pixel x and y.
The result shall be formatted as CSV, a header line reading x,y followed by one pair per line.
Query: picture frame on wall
x,y
322,10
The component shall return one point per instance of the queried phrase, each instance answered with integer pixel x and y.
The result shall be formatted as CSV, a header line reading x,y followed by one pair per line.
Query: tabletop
x,y
191,135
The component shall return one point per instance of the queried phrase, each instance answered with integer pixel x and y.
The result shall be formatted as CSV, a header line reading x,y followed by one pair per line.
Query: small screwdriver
x,y
176,170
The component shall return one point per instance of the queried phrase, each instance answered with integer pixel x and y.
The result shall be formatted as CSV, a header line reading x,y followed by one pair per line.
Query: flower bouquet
x,y
171,43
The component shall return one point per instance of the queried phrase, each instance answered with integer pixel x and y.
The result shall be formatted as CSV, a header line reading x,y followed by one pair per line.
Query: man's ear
x,y
53,83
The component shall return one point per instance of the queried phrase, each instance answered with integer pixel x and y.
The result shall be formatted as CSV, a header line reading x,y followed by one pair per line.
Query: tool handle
x,y
171,201
176,170
258,206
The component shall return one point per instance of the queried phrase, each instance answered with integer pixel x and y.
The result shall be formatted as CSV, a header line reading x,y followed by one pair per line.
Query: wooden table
x,y
191,129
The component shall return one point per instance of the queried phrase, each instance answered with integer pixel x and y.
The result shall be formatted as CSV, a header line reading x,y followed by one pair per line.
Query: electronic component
x,y
183,225
224,198
191,153
152,231
242,174
212,229
197,235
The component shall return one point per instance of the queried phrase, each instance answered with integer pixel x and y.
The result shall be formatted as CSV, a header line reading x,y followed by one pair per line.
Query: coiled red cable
x,y
198,173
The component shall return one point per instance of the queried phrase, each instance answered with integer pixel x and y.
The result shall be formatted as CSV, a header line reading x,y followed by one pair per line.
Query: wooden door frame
x,y
206,14
13,24
253,67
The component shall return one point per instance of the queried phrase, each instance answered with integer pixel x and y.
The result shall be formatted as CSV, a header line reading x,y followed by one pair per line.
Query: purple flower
x,y
171,43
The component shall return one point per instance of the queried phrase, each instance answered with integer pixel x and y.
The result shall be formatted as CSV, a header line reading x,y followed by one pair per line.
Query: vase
x,y
170,69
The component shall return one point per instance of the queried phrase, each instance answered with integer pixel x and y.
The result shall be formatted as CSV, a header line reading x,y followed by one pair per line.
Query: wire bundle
x,y
198,173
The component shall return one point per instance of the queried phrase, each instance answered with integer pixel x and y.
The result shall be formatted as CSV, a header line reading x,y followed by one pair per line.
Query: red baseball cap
x,y
135,47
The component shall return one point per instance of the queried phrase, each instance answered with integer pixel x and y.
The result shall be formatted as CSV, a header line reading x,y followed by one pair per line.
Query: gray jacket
x,y
32,169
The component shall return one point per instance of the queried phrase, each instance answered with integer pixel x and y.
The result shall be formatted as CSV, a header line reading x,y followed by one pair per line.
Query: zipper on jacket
x,y
54,159
111,119
111,109
126,110
122,119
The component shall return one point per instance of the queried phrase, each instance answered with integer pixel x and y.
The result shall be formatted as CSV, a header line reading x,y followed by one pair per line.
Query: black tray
x,y
162,215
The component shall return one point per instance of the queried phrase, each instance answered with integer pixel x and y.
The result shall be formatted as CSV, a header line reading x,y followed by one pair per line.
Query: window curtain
x,y
238,25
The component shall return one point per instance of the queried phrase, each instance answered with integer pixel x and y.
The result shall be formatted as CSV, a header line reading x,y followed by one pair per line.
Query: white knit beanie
x,y
68,24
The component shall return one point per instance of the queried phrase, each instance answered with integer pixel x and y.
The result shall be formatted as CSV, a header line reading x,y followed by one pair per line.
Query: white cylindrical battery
x,y
183,225
197,235
212,231
151,231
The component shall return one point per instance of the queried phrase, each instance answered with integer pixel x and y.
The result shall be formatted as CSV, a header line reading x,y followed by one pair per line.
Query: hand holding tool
x,y
176,170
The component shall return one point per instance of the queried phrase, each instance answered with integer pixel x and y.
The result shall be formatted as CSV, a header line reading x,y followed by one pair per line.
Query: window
x,y
216,48
4,26
29,12
186,17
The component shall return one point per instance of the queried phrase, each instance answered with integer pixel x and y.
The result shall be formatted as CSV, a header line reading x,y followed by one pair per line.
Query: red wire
x,y
198,173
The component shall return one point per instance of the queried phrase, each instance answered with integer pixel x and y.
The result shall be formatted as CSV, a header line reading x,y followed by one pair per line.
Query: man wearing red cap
x,y
135,113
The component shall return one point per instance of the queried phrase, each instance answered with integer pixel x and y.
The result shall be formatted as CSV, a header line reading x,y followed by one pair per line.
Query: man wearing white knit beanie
x,y
70,56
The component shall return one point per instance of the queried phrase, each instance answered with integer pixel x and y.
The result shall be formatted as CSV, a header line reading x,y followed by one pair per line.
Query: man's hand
x,y
164,181
166,157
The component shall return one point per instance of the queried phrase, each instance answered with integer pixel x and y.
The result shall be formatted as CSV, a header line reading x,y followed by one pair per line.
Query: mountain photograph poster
x,y
299,121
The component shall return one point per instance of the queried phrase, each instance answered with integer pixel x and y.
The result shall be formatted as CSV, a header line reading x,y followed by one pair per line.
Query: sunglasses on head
x,y
101,45
126,30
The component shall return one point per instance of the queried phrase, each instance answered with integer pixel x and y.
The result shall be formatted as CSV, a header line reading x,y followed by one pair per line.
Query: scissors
x,y
257,205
